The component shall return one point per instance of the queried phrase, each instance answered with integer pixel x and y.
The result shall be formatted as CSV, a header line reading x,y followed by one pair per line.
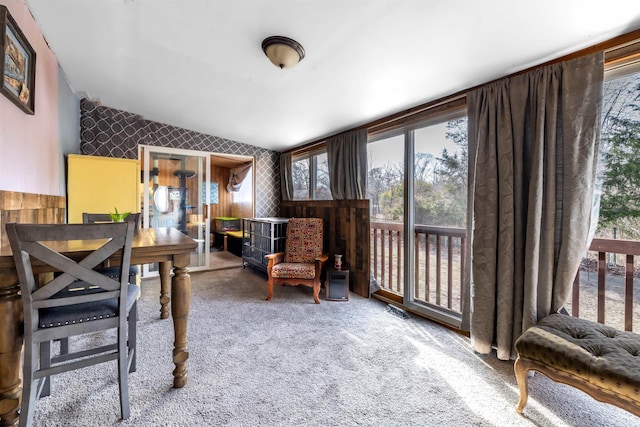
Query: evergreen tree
x,y
619,163
621,181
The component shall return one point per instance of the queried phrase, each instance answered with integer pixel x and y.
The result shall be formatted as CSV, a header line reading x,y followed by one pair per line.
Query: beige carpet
x,y
221,260
290,362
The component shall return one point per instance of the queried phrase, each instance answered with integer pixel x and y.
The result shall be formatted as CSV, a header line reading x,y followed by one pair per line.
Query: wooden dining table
x,y
167,246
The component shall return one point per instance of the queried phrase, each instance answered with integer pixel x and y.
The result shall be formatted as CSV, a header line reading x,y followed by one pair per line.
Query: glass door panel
x,y
175,184
439,219
385,188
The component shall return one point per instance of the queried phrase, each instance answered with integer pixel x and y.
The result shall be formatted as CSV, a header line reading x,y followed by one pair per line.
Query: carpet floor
x,y
289,362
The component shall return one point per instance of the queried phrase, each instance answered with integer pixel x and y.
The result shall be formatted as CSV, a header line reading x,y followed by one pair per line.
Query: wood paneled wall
x,y
166,169
223,207
30,208
347,232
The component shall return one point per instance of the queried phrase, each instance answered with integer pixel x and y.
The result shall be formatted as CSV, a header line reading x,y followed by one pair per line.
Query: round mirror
x,y
161,199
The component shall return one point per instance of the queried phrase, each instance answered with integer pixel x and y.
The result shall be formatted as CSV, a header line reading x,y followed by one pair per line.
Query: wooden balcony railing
x,y
604,284
611,292
387,255
439,262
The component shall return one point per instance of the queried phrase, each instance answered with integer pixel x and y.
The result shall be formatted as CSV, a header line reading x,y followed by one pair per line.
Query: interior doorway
x,y
188,190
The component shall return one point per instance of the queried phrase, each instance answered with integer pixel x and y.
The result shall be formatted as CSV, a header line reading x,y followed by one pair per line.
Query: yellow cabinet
x,y
100,185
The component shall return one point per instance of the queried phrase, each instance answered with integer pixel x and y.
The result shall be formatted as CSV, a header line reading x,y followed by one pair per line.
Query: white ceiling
x,y
198,64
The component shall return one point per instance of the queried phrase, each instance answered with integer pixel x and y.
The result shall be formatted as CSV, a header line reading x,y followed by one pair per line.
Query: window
x,y
300,175
386,179
310,174
619,159
440,174
320,168
607,278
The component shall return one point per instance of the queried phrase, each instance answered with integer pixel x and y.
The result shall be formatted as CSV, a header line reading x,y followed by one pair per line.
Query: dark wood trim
x,y
391,296
418,114
629,247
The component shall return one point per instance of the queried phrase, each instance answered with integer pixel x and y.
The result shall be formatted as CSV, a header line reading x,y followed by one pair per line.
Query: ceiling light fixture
x,y
283,52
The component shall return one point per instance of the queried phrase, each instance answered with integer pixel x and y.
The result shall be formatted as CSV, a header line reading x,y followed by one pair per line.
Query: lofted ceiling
x,y
198,64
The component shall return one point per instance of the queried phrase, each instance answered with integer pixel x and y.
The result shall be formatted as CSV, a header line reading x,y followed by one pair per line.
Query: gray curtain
x,y
286,178
533,144
347,158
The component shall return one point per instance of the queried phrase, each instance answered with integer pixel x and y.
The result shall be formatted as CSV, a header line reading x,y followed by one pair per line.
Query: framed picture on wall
x,y
18,64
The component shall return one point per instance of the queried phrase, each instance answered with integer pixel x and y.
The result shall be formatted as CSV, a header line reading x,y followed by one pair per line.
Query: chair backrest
x,y
304,240
90,218
101,218
36,244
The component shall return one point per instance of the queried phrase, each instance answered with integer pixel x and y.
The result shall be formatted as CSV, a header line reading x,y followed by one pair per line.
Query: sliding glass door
x,y
176,193
438,222
385,190
417,187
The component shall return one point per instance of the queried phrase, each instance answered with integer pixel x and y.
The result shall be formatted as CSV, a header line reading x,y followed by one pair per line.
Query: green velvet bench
x,y
595,358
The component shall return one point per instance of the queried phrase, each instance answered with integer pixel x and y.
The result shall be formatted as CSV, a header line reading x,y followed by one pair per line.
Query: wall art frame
x,y
18,64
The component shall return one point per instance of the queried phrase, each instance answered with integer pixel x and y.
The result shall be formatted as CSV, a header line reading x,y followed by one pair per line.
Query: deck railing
x,y
439,262
604,284
604,288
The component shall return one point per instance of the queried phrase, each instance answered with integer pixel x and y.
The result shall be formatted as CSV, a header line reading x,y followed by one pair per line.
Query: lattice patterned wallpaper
x,y
109,132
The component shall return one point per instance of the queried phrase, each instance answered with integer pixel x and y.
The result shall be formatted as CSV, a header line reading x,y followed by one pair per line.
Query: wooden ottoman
x,y
595,358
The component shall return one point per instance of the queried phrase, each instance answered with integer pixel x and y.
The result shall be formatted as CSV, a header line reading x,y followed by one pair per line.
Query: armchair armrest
x,y
320,260
278,257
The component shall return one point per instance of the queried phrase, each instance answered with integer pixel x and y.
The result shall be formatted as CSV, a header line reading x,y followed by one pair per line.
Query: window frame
x,y
312,157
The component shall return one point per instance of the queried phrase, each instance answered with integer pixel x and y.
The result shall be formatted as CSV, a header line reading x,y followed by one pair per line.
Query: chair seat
x,y
293,270
84,312
114,272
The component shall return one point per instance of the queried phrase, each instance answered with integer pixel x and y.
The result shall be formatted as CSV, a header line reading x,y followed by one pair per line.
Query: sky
x,y
430,139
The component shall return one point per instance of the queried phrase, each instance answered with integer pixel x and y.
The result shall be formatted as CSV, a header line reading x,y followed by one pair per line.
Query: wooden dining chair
x,y
52,312
93,218
113,272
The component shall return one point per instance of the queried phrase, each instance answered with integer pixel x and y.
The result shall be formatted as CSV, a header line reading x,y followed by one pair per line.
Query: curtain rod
x,y
616,49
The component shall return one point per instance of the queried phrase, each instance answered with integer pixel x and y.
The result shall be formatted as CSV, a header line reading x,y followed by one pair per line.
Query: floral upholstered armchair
x,y
301,262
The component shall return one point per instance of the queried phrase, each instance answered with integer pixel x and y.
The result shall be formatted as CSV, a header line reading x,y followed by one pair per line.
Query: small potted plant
x,y
118,216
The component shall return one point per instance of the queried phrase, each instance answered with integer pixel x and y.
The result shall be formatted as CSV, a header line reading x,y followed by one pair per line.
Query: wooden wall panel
x,y
166,169
223,207
30,208
242,210
347,224
220,175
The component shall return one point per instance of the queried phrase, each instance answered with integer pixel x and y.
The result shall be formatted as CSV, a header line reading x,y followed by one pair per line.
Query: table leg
x,y
165,281
180,303
11,339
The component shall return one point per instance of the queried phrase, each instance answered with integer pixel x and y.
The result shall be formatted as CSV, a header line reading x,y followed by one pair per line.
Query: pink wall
x,y
29,144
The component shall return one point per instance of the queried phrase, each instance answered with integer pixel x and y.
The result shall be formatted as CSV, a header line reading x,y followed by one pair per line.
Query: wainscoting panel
x,y
28,208
347,232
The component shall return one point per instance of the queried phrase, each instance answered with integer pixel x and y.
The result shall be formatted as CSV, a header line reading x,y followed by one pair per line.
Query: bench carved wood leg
x,y
165,281
11,340
521,367
180,303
